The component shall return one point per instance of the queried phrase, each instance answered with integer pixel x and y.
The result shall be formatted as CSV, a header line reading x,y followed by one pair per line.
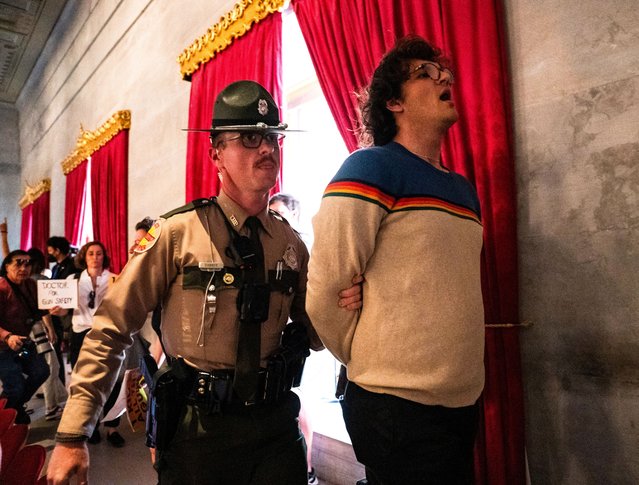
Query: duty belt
x,y
212,392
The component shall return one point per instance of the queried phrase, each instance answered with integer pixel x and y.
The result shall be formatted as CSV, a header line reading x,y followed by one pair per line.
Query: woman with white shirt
x,y
93,283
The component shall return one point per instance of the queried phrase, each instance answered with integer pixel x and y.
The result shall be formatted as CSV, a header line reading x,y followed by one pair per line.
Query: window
x,y
310,159
86,215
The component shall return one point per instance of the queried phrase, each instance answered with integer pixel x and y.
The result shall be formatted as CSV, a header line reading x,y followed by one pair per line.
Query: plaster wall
x,y
575,73
10,172
105,56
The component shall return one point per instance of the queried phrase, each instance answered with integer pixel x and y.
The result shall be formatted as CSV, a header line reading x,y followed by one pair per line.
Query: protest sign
x,y
62,293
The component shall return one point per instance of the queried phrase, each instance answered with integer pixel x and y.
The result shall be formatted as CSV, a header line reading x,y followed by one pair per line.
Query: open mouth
x,y
446,95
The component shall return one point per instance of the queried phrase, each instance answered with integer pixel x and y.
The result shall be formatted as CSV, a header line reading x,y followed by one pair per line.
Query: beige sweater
x,y
420,333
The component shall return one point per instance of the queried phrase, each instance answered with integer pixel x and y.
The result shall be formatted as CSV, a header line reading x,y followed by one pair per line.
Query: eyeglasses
x,y
22,262
253,139
92,299
434,71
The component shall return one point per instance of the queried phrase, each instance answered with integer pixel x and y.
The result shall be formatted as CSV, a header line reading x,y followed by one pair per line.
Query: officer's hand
x,y
351,298
68,459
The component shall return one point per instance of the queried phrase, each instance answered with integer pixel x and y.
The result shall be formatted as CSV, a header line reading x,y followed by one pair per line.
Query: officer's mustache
x,y
266,159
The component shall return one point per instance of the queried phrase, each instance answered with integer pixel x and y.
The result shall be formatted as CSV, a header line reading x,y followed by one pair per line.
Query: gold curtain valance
x,y
90,142
232,26
32,193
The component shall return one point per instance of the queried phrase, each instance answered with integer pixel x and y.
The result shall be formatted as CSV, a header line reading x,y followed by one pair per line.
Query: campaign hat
x,y
245,106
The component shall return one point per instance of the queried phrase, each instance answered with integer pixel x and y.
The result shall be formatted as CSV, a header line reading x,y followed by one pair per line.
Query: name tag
x,y
210,266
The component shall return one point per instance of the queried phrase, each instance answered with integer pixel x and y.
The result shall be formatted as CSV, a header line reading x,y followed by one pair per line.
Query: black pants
x,y
257,445
403,442
21,376
58,328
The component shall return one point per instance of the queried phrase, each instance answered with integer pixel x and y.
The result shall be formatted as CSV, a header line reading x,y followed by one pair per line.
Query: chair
x,y
11,441
25,468
7,417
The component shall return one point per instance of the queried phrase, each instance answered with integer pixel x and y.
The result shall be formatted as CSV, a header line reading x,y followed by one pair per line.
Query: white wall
x,y
105,56
10,173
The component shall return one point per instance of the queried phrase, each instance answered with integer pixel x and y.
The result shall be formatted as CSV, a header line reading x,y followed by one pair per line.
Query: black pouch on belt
x,y
165,404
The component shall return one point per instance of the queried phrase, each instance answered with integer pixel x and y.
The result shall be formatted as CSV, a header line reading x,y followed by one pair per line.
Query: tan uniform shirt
x,y
199,321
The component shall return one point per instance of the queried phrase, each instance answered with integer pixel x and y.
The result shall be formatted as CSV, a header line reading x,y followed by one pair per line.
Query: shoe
x,y
53,414
312,477
95,437
115,439
22,417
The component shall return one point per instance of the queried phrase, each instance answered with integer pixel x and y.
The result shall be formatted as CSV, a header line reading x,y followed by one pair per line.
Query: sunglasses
x,y
22,262
434,71
92,299
253,139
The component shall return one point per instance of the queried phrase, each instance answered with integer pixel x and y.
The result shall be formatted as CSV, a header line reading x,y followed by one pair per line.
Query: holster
x,y
166,400
285,368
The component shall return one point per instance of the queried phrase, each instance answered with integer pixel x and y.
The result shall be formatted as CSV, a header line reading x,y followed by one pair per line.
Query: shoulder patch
x,y
194,204
148,241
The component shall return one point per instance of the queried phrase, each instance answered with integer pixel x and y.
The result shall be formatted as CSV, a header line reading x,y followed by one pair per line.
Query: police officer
x,y
228,275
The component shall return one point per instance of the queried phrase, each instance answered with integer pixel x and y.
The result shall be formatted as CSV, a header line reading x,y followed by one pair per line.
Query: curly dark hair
x,y
378,125
81,258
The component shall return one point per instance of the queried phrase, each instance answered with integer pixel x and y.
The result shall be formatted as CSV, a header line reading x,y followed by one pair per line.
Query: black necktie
x,y
247,364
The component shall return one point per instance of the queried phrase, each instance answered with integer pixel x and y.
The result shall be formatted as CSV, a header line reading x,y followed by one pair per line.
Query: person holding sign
x,y
22,369
93,283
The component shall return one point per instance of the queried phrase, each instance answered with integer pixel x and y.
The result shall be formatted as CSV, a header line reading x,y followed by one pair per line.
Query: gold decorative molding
x,y
231,26
32,193
90,142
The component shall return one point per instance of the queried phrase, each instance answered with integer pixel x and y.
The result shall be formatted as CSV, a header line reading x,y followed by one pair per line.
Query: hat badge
x,y
262,107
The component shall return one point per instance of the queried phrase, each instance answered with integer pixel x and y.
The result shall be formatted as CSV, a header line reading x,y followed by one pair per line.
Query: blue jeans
x,y
403,442
17,388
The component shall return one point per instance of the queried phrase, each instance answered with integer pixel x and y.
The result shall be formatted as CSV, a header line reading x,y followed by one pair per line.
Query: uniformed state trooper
x,y
229,276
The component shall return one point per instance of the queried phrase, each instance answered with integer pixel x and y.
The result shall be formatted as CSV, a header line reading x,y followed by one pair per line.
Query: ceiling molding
x,y
25,26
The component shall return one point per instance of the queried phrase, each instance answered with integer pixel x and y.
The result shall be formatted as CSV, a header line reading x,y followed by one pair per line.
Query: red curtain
x,y
35,224
109,197
346,41
255,56
25,229
74,196
40,225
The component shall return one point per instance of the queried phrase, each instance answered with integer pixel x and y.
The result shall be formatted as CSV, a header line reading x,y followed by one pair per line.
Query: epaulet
x,y
194,204
278,216
281,218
